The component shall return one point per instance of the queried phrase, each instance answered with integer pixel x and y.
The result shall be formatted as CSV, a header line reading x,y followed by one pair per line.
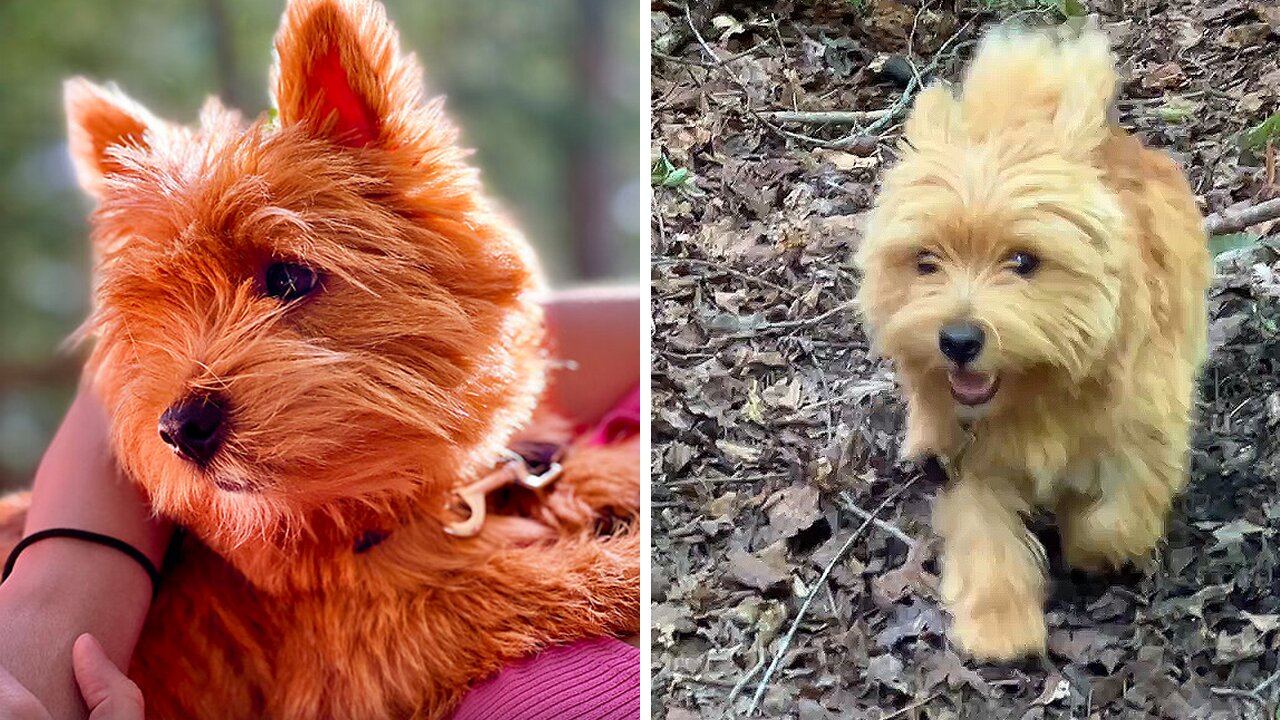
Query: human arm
x,y
61,588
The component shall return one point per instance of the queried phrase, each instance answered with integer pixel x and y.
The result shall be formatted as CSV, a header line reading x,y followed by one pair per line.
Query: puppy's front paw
x,y
921,441
1000,631
1090,560
1102,539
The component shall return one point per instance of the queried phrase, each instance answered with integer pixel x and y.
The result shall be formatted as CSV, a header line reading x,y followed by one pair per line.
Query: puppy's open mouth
x,y
972,388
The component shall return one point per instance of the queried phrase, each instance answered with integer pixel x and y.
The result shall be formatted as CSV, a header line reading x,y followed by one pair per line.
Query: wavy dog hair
x,y
420,342
981,180
1020,210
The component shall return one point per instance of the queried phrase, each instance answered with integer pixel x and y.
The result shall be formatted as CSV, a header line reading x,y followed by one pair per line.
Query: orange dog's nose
x,y
961,341
193,427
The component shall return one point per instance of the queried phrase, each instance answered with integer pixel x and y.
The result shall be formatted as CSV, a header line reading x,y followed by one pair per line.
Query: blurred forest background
x,y
548,93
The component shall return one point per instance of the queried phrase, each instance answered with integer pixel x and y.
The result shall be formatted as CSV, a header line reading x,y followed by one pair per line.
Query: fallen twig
x,y
916,83
670,42
738,686
813,592
839,144
1236,692
825,117
1235,221
800,322
719,61
658,262
1255,694
909,708
1266,683
884,525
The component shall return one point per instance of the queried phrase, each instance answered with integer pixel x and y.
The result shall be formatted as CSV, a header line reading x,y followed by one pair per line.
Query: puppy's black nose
x,y
194,427
961,341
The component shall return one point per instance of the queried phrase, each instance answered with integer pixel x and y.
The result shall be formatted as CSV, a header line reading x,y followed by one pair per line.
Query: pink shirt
x,y
596,679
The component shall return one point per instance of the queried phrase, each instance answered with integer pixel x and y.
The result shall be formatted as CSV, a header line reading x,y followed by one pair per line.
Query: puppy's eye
x,y
926,263
1023,263
290,281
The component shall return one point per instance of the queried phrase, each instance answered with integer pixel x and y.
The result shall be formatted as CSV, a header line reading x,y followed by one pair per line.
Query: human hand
x,y
109,694
61,587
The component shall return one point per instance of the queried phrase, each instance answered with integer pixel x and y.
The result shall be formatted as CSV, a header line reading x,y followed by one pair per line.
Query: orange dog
x,y
332,331
1038,279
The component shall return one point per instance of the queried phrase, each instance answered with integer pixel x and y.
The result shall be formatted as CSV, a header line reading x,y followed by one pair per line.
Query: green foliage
x,y
1255,139
1056,9
1219,244
664,174
1072,8
1176,110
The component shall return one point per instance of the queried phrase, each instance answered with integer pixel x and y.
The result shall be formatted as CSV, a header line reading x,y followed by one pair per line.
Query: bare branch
x,y
828,117
813,592
1235,221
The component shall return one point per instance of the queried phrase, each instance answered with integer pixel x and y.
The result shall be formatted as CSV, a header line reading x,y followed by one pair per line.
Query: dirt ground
x,y
775,434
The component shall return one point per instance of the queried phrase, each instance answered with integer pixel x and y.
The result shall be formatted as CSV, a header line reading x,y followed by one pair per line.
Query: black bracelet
x,y
87,536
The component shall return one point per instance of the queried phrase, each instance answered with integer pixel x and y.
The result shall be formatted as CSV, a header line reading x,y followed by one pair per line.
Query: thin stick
x,y
916,82
693,27
798,322
1266,683
680,61
671,42
724,269
738,686
1229,222
746,94
1235,692
884,525
813,592
909,708
1255,694
825,117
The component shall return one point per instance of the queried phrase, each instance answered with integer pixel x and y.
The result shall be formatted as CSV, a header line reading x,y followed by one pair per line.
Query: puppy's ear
x,y
100,121
935,117
338,70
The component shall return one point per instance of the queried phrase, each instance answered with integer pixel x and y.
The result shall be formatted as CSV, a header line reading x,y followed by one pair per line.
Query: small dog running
x,y
311,331
1038,279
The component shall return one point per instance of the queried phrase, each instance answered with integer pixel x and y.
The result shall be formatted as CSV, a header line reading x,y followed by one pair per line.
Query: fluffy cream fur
x,y
1093,354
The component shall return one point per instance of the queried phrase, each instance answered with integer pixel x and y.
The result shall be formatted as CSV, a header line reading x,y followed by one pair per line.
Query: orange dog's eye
x,y
290,281
926,263
1023,263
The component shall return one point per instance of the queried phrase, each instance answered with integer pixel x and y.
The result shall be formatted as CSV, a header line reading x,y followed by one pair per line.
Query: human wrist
x,y
60,569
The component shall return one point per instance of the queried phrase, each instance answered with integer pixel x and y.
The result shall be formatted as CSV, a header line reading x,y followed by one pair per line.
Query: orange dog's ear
x,y
99,121
338,69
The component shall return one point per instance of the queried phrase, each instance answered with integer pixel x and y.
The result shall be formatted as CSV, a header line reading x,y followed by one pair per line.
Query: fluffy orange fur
x,y
357,408
1092,356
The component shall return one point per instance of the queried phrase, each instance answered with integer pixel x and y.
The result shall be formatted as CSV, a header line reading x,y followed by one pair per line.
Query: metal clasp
x,y
471,499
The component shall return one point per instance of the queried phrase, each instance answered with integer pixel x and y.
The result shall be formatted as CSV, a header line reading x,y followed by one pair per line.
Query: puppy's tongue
x,y
971,388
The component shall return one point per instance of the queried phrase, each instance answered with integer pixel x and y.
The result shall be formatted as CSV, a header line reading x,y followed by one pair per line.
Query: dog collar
x,y
530,464
536,465
533,466
951,463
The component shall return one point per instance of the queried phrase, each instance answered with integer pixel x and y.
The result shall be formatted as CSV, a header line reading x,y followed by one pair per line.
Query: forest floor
x,y
775,433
